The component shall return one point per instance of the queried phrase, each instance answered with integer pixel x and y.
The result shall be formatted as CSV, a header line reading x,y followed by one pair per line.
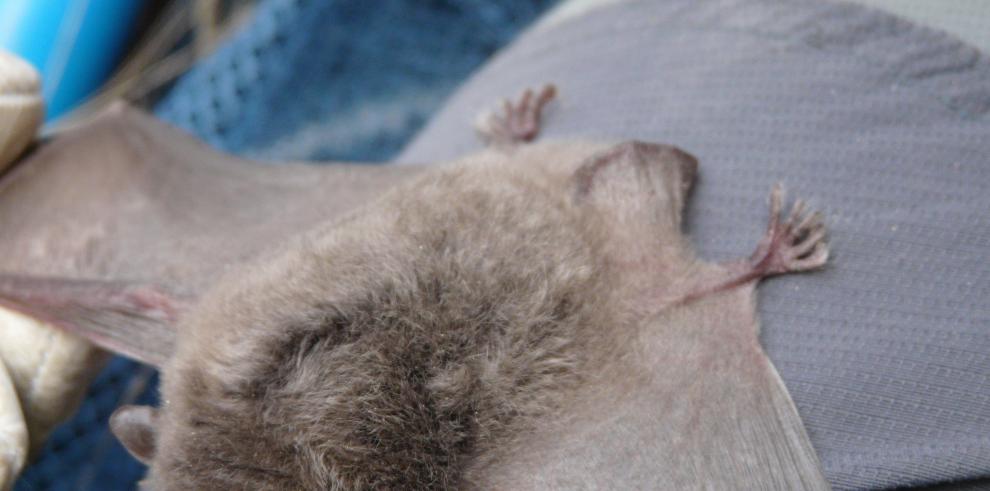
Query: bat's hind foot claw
x,y
515,122
794,244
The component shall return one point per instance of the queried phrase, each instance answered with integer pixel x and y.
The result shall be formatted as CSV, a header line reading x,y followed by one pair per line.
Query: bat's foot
x,y
791,245
516,122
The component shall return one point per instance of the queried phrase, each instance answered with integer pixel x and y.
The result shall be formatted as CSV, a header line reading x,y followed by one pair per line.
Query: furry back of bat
x,y
528,317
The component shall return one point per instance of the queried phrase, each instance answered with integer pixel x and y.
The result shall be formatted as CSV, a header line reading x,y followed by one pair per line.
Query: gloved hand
x,y
43,371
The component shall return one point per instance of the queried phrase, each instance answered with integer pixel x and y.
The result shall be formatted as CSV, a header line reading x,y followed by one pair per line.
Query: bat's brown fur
x,y
399,345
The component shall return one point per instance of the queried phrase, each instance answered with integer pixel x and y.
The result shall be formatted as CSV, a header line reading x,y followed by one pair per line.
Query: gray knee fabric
x,y
882,124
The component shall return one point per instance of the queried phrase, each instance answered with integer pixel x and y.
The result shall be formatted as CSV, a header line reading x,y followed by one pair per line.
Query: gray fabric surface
x,y
882,124
968,20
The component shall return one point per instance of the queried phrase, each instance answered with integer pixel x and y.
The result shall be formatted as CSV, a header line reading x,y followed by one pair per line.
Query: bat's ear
x,y
642,183
135,426
133,319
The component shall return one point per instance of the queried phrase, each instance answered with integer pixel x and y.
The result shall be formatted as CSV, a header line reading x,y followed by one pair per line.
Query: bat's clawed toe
x,y
517,122
794,244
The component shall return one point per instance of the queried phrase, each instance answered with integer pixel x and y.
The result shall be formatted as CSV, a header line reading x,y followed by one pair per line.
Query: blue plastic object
x,y
75,44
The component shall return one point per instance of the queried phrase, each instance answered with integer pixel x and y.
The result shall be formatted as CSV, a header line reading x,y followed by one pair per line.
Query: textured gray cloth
x,y
969,20
882,124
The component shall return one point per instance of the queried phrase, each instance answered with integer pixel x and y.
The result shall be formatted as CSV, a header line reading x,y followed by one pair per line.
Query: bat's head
x,y
394,346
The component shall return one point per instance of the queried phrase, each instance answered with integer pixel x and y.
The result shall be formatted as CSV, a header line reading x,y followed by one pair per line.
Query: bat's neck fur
x,y
392,363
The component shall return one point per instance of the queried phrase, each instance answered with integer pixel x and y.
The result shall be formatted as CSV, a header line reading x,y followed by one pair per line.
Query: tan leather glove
x,y
38,365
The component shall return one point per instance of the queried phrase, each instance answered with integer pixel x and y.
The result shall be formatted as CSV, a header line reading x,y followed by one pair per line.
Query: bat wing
x,y
131,319
128,204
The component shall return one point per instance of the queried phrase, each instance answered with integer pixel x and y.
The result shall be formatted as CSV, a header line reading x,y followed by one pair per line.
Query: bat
x,y
526,317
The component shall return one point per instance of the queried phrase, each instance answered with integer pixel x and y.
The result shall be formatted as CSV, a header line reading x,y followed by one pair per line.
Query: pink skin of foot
x,y
517,122
789,246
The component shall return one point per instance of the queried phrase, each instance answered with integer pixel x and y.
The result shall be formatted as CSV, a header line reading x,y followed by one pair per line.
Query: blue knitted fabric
x,y
305,80
322,80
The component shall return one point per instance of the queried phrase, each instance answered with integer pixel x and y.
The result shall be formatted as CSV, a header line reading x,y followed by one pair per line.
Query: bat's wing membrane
x,y
135,320
126,196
